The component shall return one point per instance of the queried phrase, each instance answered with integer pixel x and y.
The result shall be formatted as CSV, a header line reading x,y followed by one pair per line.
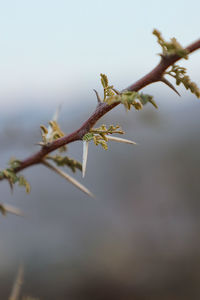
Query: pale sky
x,y
55,49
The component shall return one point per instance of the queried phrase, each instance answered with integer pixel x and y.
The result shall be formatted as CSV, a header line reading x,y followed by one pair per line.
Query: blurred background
x,y
139,238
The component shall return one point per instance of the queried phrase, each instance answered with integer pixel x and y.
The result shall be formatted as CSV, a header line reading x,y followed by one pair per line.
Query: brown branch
x,y
102,108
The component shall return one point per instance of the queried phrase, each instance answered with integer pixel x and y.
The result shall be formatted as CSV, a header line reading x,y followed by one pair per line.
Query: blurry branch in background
x,y
53,138
17,286
15,293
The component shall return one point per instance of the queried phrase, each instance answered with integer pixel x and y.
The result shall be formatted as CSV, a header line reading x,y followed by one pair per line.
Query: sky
x,y
54,51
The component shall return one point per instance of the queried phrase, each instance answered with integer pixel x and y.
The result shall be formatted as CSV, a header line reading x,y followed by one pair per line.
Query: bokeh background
x,y
139,238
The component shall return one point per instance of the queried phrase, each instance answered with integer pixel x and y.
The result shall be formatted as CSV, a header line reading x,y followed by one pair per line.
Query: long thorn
x,y
164,80
120,140
85,156
69,178
6,208
17,284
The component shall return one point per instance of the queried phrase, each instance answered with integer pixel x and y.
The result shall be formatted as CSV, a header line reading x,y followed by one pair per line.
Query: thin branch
x,y
102,108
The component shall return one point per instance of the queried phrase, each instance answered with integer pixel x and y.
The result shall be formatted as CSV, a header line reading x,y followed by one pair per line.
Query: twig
x,y
102,108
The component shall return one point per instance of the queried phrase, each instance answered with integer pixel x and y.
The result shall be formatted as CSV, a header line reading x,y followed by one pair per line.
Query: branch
x,y
102,108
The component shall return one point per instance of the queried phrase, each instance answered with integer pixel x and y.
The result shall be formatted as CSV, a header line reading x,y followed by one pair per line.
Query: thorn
x,y
11,209
116,91
11,186
85,156
164,80
15,293
98,97
120,140
56,114
68,177
40,144
55,119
